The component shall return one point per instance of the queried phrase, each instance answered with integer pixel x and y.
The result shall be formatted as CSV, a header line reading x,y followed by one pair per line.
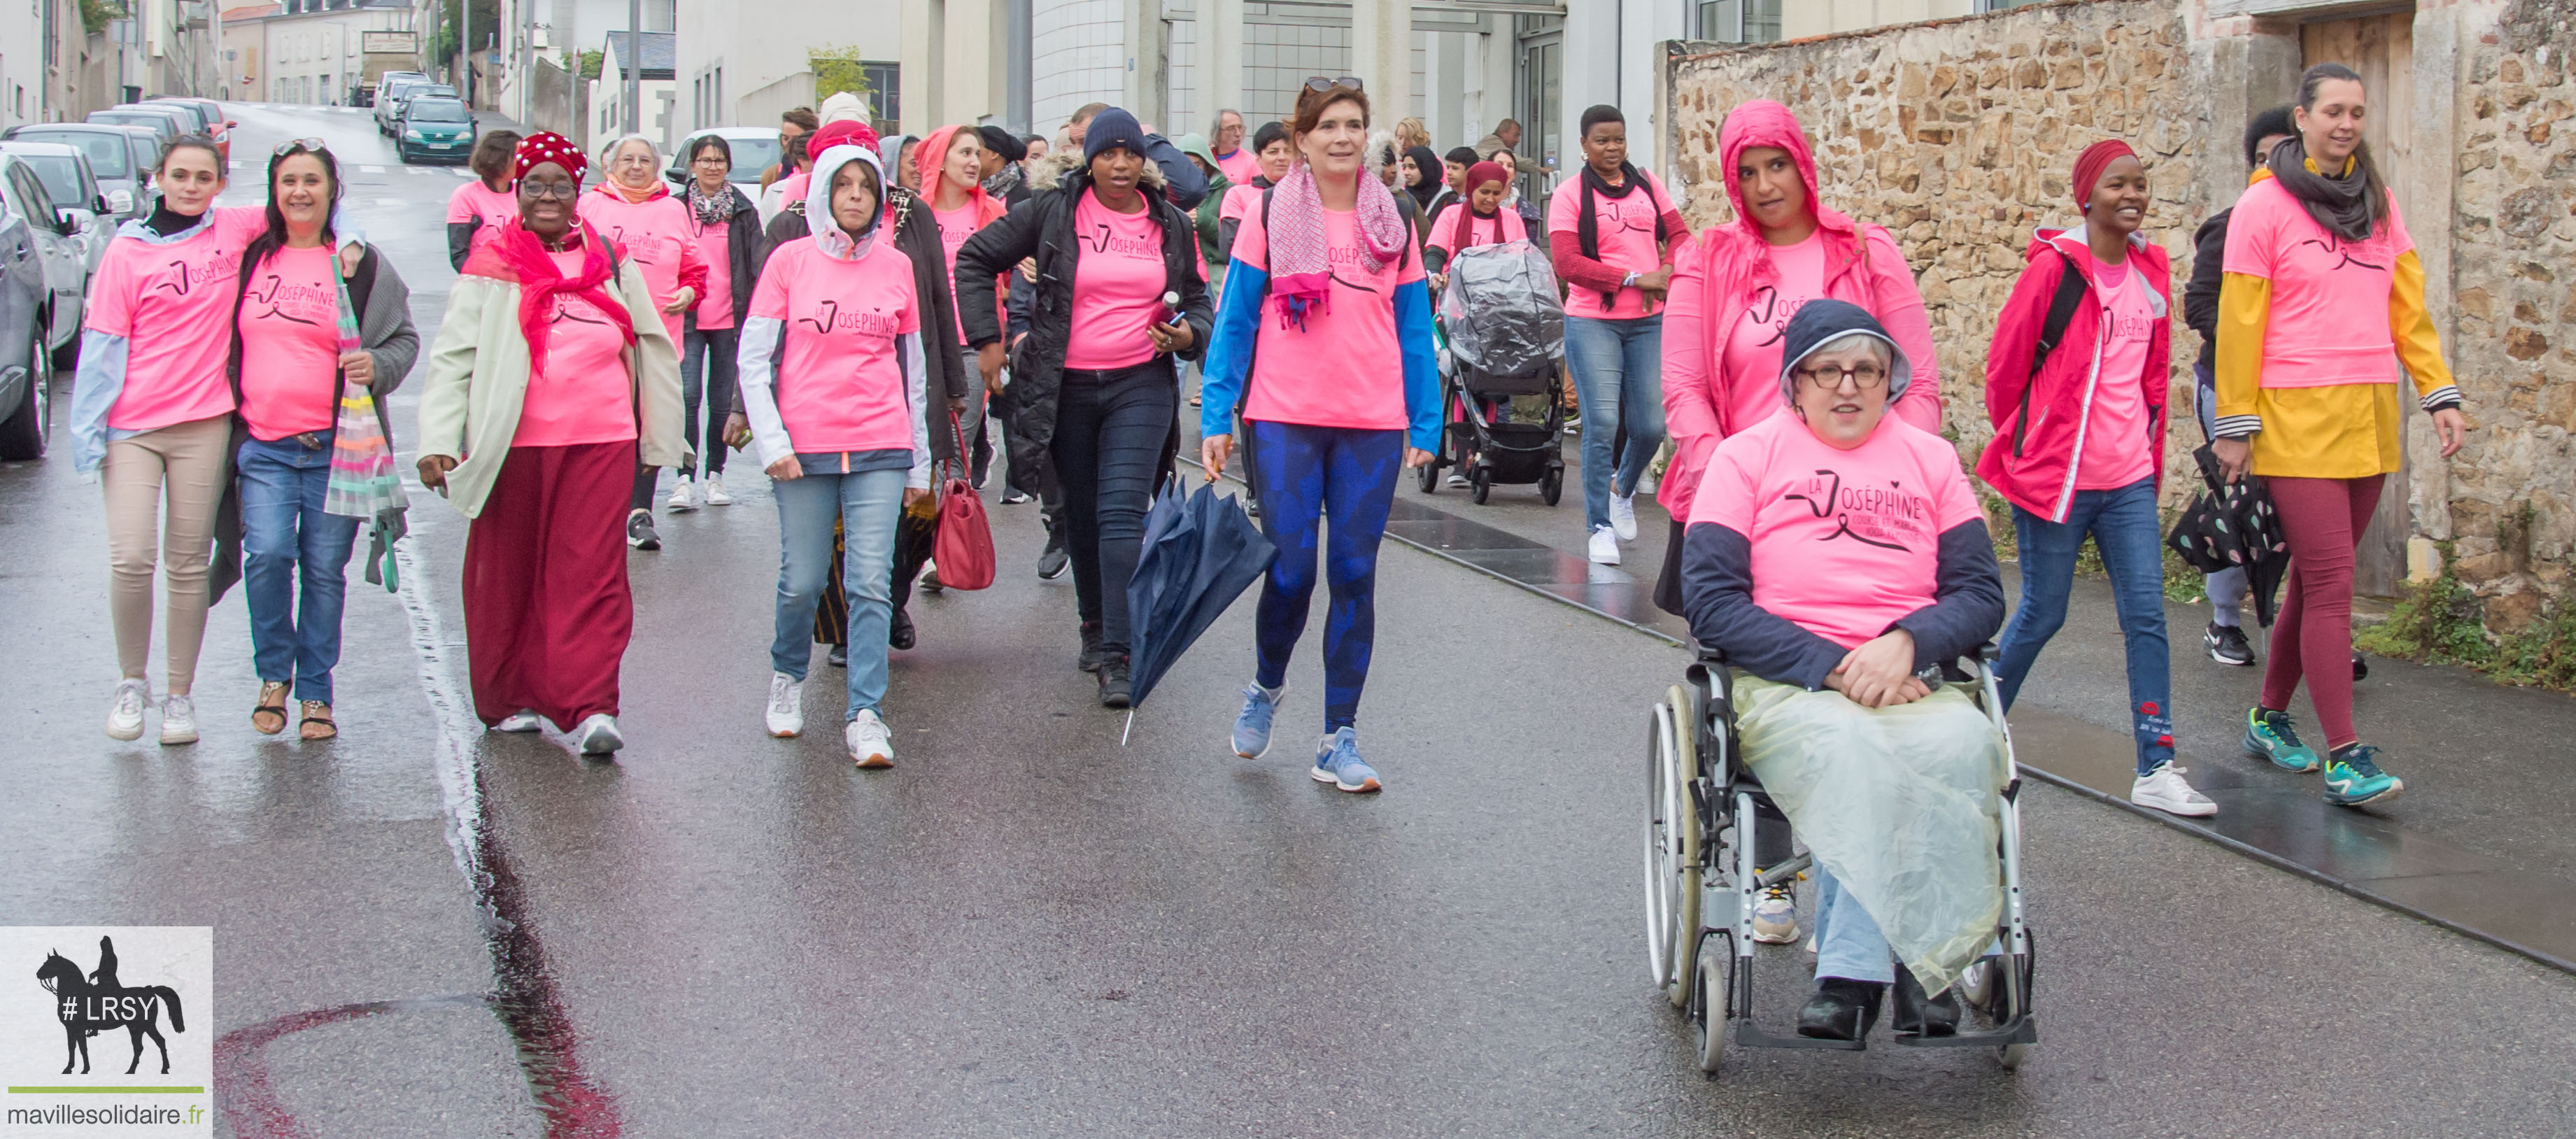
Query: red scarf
x,y
523,258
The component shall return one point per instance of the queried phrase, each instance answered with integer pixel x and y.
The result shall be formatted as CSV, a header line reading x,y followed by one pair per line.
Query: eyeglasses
x,y
1828,377
1319,83
564,190
305,145
710,158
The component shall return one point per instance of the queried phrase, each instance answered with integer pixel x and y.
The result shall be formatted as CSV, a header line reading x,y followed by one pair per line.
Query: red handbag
x,y
964,548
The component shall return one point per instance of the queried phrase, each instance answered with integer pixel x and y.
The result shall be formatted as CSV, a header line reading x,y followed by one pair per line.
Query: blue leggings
x,y
1303,474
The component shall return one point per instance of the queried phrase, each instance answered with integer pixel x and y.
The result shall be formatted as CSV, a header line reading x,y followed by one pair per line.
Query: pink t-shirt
x,y
955,226
840,382
1118,286
174,305
1239,167
715,310
2329,318
656,234
1242,200
476,202
1626,229
1845,543
1753,346
290,334
1344,368
1459,229
580,393
2116,451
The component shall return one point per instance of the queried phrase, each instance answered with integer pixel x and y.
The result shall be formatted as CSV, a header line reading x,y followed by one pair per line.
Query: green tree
x,y
97,14
837,69
591,61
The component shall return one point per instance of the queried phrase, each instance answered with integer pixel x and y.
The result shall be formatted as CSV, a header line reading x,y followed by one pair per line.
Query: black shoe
x,y
1091,654
639,531
2360,666
1921,1015
899,633
2227,645
1840,1010
1113,680
1056,558
839,657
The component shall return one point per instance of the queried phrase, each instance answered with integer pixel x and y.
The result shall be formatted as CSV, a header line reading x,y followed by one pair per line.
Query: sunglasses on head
x,y
1319,83
302,145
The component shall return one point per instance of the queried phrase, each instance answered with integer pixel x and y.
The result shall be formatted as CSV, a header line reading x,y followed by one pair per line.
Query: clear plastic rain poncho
x,y
1501,310
1899,803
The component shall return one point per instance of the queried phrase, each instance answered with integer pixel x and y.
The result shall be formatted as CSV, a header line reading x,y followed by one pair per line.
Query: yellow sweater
x,y
2344,431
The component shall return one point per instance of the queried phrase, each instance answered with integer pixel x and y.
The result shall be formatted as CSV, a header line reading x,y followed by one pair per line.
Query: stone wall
x,y
2512,493
1960,137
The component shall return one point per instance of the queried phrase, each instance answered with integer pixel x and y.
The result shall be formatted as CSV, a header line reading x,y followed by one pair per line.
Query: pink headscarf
x,y
930,162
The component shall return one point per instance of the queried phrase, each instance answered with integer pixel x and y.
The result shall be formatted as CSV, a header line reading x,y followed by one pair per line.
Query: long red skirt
x,y
547,610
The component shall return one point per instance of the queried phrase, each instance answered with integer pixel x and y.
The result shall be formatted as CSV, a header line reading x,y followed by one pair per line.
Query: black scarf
x,y
2347,206
1587,227
168,222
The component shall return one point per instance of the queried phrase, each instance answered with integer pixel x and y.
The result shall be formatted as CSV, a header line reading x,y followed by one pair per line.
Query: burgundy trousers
x,y
2312,638
547,610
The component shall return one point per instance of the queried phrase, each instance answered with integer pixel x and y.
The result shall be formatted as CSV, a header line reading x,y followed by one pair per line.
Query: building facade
x,y
305,51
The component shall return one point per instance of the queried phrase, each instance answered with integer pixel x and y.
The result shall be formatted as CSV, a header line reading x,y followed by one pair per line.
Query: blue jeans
x,y
868,504
286,538
2124,526
1619,384
2227,587
1848,942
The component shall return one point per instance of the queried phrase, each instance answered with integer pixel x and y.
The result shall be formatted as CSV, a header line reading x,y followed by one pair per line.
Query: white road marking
x,y
389,201
371,170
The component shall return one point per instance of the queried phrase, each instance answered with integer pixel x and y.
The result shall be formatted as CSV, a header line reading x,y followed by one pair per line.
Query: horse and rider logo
x,y
88,1003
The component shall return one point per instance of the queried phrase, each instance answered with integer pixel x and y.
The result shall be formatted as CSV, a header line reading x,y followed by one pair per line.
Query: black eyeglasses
x,y
565,190
1828,377
1319,83
306,145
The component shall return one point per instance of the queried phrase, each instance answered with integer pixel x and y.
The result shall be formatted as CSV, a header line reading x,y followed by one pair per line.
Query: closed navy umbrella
x,y
1200,554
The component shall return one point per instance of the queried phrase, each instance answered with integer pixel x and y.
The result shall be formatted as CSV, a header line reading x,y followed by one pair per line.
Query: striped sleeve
x,y
2418,345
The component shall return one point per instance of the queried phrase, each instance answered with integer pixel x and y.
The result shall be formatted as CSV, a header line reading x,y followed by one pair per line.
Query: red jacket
x,y
2041,421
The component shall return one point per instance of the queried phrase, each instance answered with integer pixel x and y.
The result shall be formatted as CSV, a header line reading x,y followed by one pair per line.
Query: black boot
x,y
1841,1009
1922,1015
1090,647
899,633
1113,680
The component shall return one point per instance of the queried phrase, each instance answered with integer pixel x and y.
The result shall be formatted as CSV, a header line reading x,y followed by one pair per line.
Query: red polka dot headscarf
x,y
547,146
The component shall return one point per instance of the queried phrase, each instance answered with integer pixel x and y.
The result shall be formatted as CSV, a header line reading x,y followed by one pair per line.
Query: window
x,y
1739,21
885,103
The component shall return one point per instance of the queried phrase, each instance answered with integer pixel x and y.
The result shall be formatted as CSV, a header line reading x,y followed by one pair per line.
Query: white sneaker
x,y
1775,916
786,706
2165,790
1457,481
870,745
1623,517
522,720
125,716
715,492
1605,547
681,498
178,720
598,735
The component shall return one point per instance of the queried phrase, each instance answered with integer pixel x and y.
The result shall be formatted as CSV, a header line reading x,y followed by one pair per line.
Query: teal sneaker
x,y
2353,777
2269,734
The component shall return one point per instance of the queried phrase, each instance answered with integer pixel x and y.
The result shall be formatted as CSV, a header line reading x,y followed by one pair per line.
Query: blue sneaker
x,y
2269,734
1252,725
2353,777
1338,763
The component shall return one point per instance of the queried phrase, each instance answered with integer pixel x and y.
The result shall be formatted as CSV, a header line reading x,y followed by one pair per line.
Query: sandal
x,y
272,705
317,722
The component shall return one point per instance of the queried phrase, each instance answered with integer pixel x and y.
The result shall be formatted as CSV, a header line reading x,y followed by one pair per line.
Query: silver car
x,y
56,234
65,171
120,158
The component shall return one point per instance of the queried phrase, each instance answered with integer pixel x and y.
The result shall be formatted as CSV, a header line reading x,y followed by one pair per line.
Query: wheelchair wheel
x,y
1713,1009
2012,1055
1672,849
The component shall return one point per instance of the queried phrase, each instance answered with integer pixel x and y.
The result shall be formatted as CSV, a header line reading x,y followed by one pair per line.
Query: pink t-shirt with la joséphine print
x,y
1344,368
173,302
1625,228
2117,450
840,380
579,392
290,334
2329,318
1118,284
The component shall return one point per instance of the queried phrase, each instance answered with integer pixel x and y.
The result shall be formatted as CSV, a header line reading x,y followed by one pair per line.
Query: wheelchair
x,y
1704,807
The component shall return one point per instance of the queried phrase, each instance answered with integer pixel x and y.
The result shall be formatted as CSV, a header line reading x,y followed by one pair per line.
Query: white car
x,y
56,233
75,189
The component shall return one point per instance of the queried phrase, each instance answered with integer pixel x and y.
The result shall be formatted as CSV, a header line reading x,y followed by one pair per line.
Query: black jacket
x,y
2200,294
1042,228
746,250
916,234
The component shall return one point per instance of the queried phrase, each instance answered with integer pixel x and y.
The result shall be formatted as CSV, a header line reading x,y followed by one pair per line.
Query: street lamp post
x,y
634,66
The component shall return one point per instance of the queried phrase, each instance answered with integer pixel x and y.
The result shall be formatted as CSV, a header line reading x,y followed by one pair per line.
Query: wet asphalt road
x,y
1026,929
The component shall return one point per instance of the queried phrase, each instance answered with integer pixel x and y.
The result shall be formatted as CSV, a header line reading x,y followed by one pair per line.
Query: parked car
x,y
57,234
389,101
165,125
26,308
754,149
119,158
65,172
209,112
369,93
435,129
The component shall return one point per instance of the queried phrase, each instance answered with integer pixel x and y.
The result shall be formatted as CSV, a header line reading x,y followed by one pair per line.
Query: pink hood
x,y
1723,269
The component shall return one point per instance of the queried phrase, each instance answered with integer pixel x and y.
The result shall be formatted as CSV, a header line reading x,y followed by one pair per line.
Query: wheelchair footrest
x,y
1752,1036
2023,1031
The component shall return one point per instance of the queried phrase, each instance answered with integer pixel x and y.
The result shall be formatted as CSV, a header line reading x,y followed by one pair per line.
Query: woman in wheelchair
x,y
1835,558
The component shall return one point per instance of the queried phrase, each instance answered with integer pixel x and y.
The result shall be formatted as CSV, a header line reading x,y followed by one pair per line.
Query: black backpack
x,y
2061,312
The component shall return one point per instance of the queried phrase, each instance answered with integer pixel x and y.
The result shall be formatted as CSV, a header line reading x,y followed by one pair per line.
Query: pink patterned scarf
x,y
1301,270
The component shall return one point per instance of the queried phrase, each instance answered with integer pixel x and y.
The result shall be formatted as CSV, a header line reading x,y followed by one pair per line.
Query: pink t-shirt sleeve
x,y
1725,494
111,291
460,205
2253,234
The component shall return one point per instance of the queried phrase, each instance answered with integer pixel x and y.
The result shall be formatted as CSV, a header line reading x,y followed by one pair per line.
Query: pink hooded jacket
x,y
1716,277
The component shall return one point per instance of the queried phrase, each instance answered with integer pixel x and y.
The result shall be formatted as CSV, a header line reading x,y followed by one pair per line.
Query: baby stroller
x,y
1505,330
1703,806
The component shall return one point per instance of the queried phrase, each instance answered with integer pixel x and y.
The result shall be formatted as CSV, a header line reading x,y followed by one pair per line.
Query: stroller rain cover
x,y
1501,309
